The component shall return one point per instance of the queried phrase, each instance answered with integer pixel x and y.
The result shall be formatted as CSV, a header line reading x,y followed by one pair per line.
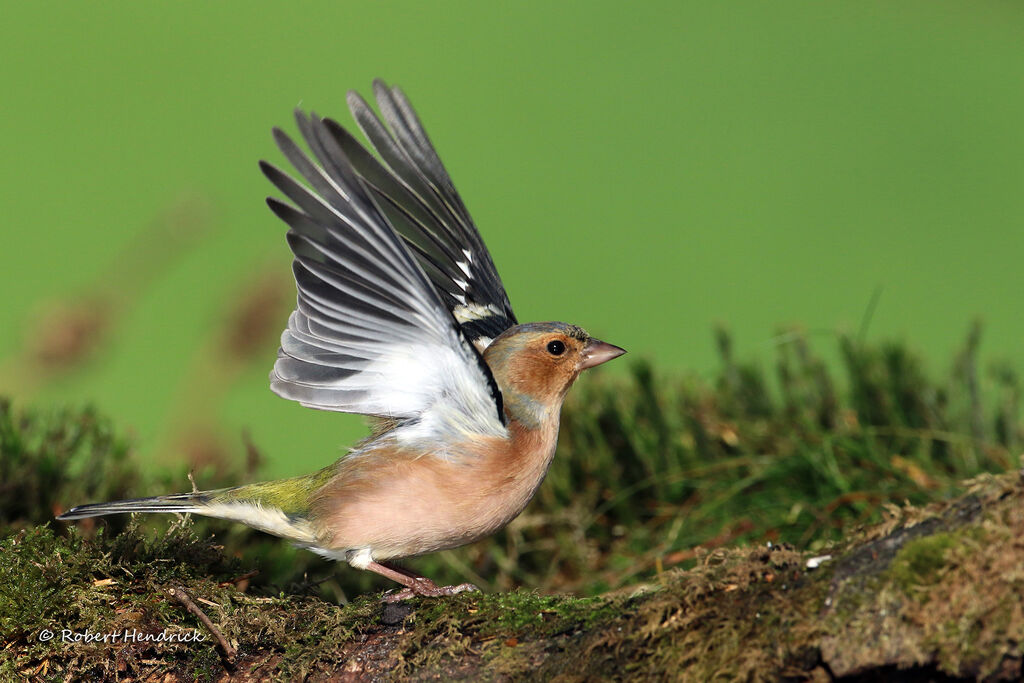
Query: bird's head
x,y
535,364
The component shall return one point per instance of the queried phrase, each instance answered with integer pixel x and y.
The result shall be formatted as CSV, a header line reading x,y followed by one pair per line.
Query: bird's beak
x,y
597,352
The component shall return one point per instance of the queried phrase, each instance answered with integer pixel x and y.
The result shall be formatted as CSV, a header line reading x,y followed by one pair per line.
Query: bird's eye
x,y
556,348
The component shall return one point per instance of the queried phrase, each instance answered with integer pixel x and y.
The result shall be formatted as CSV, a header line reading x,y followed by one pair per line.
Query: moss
x,y
970,615
531,613
919,562
753,613
942,590
499,629
697,624
115,585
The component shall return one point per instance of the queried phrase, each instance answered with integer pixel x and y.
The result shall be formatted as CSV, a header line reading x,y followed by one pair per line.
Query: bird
x,y
400,316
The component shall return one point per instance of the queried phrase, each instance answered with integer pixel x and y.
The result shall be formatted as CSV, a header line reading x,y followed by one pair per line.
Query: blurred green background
x,y
644,170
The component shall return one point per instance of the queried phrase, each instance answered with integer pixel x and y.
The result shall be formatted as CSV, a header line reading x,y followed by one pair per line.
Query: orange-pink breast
x,y
400,504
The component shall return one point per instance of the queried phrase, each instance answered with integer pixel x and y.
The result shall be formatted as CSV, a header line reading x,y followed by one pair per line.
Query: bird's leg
x,y
415,584
402,570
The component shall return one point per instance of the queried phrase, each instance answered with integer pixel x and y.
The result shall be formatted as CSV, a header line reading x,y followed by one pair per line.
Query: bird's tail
x,y
276,507
180,502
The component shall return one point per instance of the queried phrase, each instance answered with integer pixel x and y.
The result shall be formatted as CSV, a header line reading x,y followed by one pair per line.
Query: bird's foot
x,y
426,588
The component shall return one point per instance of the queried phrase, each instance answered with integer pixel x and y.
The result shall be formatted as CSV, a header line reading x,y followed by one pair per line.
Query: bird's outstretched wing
x,y
371,333
413,189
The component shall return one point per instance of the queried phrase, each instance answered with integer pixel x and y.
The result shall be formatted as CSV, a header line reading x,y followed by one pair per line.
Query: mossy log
x,y
930,594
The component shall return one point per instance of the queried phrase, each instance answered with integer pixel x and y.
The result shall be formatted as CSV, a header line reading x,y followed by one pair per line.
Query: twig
x,y
238,579
181,596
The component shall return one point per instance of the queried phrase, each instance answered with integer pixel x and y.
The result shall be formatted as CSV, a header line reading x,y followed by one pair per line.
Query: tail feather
x,y
276,507
250,505
180,502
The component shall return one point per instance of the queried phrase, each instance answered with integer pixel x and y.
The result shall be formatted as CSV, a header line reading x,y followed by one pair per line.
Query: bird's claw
x,y
426,588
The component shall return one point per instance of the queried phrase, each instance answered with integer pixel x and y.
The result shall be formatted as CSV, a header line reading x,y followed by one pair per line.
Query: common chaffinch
x,y
402,317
